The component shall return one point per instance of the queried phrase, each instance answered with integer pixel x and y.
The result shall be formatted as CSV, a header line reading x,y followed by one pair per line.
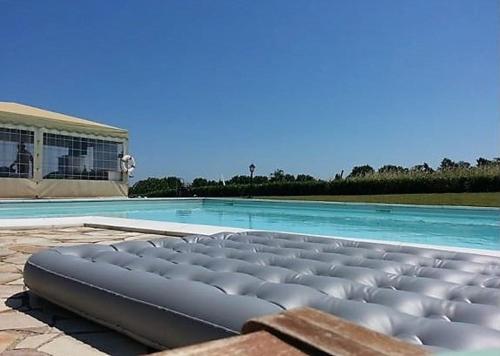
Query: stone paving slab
x,y
34,342
14,320
6,339
6,277
7,291
65,344
30,325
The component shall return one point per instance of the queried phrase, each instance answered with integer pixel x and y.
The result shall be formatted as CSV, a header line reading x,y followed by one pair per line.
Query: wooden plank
x,y
316,332
259,343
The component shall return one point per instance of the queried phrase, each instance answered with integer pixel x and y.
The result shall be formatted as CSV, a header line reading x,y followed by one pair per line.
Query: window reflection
x,y
72,157
16,153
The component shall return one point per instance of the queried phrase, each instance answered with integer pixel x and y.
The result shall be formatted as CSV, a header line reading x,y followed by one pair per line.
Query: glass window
x,y
73,157
16,153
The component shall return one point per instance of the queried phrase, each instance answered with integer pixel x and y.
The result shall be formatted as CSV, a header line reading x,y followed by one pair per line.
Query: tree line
x,y
446,165
448,176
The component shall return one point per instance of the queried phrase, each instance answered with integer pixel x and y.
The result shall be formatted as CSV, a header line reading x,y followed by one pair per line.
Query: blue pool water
x,y
463,227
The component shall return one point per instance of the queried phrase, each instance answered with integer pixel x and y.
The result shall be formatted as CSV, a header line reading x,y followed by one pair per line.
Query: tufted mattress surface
x,y
178,291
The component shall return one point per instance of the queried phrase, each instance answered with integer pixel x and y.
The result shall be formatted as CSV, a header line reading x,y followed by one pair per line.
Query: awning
x,y
19,114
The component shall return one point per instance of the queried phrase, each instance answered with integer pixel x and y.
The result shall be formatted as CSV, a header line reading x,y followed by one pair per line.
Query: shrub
x,y
361,171
150,185
485,178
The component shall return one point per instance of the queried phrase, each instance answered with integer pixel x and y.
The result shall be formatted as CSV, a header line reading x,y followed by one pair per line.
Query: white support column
x,y
38,156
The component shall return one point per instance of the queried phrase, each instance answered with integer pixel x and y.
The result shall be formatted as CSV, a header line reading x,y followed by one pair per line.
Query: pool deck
x,y
32,326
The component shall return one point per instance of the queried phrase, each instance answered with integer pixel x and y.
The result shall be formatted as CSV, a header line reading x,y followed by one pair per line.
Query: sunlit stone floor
x,y
32,326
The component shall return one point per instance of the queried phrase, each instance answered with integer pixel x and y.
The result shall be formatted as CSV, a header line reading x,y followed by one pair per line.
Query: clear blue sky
x,y
207,87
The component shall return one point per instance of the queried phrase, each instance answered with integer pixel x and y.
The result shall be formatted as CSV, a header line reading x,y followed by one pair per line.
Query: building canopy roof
x,y
19,114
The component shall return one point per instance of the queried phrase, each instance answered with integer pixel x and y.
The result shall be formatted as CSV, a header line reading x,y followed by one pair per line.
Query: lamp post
x,y
252,169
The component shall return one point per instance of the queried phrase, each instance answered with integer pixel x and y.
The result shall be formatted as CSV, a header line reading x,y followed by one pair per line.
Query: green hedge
x,y
162,193
152,185
452,181
363,186
278,188
408,185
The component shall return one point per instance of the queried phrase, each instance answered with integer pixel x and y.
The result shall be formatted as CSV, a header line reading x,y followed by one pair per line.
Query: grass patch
x,y
466,199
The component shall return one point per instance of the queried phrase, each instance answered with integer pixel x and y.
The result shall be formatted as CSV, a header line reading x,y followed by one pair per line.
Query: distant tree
x,y
199,182
424,168
483,162
360,171
339,176
463,164
389,168
447,164
277,176
260,179
280,176
304,178
239,180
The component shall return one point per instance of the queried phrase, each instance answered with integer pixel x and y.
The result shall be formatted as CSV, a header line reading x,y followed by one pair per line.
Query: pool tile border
x,y
305,202
181,229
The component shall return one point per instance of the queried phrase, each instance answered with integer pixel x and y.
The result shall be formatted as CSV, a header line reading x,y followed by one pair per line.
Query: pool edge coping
x,y
239,199
182,229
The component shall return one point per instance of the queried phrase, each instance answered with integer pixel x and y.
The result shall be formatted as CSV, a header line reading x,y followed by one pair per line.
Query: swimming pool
x,y
452,226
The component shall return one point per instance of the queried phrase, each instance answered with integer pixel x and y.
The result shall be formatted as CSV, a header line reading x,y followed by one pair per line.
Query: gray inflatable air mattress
x,y
179,291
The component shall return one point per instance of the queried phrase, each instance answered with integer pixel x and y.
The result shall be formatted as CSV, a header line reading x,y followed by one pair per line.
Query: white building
x,y
46,154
